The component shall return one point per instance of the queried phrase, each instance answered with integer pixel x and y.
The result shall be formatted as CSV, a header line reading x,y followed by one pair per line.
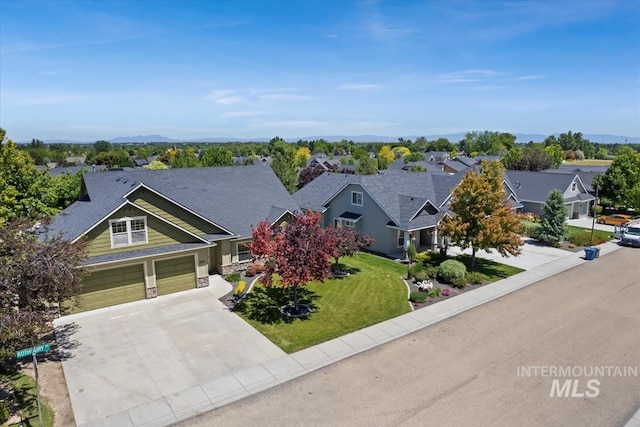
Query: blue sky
x,y
87,70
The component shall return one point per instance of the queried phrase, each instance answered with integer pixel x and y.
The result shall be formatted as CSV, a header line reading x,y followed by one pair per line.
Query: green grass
x,y
23,388
492,270
372,293
589,162
582,236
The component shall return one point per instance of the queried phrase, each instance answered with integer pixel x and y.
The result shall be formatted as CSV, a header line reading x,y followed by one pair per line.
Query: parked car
x,y
615,219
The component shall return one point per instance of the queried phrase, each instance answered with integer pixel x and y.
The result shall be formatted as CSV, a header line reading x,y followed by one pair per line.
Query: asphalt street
x,y
562,352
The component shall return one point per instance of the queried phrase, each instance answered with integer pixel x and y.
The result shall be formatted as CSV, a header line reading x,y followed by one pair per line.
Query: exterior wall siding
x,y
373,221
159,234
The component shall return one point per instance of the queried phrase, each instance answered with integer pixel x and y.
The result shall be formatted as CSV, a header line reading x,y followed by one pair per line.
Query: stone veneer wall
x,y
236,266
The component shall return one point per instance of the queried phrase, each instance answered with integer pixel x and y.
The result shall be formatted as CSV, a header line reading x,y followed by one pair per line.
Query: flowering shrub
x,y
445,292
239,290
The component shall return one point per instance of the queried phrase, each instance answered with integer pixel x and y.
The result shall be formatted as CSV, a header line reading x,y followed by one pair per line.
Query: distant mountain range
x,y
453,137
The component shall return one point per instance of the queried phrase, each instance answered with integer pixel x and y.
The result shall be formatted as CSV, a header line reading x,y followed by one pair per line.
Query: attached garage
x,y
174,275
110,287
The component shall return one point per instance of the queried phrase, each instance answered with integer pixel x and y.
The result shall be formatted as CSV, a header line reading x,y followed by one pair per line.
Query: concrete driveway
x,y
126,356
533,255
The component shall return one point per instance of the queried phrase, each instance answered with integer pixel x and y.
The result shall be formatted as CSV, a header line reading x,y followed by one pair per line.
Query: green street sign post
x,y
26,352
32,351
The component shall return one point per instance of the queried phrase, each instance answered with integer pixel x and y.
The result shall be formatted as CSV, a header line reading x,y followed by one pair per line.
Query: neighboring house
x,y
383,205
140,162
323,164
70,170
532,190
153,232
75,160
586,173
391,208
436,156
454,166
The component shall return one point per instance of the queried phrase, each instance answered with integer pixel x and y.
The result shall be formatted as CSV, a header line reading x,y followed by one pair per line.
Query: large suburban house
x,y
153,232
533,188
395,208
391,208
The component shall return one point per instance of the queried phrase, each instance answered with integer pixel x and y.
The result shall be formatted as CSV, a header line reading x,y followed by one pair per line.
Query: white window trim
x,y
361,198
574,187
343,222
130,241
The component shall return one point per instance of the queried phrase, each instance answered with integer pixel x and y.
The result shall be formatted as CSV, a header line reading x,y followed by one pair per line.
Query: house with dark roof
x,y
153,232
391,208
533,188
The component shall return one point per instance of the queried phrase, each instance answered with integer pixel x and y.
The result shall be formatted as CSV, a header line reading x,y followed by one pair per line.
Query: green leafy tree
x,y
217,156
184,159
35,276
512,158
634,197
620,178
556,153
367,166
155,165
482,217
22,186
414,157
64,189
553,221
534,158
487,142
284,166
602,154
102,146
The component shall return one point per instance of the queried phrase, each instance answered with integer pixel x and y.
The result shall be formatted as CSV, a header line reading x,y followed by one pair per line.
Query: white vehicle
x,y
629,233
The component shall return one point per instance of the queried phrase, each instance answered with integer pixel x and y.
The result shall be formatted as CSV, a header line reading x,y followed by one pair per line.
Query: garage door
x,y
175,275
110,287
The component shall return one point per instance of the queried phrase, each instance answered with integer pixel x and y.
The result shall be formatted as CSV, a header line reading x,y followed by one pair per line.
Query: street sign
x,y
26,352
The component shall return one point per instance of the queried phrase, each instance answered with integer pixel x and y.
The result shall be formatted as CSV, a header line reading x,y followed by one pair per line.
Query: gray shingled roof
x,y
232,197
399,195
536,186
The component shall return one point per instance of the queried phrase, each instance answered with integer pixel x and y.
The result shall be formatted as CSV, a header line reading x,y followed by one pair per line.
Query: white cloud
x,y
229,100
284,97
51,99
531,77
232,114
356,86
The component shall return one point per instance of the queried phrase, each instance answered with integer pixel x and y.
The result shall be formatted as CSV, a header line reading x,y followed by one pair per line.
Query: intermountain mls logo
x,y
576,381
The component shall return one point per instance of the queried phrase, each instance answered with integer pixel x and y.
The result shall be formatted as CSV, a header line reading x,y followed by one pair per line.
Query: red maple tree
x,y
298,252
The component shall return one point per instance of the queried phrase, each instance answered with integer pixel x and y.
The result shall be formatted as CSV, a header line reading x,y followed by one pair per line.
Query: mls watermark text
x,y
576,381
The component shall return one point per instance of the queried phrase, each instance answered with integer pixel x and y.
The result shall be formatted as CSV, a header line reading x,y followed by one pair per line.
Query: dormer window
x,y
574,187
356,198
128,231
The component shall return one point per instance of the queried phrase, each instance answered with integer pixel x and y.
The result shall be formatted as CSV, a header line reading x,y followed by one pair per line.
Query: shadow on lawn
x,y
484,266
263,304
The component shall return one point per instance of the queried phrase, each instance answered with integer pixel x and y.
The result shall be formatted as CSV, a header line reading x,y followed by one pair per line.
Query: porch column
x,y
434,239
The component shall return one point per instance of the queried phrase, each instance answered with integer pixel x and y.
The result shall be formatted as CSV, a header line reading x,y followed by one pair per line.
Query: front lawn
x,y
582,236
492,270
372,293
22,394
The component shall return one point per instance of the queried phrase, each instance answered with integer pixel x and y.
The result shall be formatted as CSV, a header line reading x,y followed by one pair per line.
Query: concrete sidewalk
x,y
243,383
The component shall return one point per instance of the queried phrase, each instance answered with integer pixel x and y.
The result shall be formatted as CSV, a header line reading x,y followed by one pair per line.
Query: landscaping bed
x,y
439,288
